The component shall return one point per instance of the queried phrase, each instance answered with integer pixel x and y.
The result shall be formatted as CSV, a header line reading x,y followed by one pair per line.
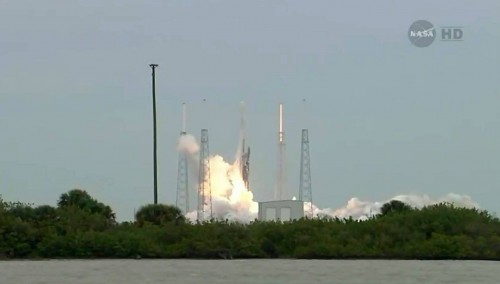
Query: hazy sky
x,y
385,117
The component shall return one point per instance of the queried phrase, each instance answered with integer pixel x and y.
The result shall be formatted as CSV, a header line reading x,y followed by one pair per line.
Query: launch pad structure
x,y
204,181
305,190
281,208
182,196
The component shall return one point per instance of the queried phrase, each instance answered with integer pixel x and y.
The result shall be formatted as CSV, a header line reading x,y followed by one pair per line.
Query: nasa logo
x,y
422,33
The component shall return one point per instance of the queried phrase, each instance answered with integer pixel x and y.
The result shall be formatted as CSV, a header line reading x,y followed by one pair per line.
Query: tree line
x,y
82,227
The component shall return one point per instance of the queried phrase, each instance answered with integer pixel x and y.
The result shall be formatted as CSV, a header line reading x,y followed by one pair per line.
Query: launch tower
x,y
204,183
182,199
305,192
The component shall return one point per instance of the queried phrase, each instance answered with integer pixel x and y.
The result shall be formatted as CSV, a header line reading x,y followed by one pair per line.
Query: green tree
x,y
20,210
78,228
394,206
81,199
159,214
45,213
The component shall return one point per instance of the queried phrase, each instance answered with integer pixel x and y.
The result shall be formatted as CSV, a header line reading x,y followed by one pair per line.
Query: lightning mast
x,y
155,156
281,193
305,192
204,183
182,200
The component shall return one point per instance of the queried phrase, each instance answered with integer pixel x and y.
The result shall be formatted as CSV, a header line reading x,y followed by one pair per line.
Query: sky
x,y
385,117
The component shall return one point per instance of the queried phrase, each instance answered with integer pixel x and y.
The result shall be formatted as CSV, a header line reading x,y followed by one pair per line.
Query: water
x,y
247,271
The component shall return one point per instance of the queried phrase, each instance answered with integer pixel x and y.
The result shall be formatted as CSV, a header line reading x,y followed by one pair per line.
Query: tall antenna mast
x,y
204,182
182,200
281,193
155,159
305,190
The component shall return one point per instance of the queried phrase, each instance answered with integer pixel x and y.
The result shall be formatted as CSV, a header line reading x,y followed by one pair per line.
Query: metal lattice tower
x,y
182,201
204,187
305,191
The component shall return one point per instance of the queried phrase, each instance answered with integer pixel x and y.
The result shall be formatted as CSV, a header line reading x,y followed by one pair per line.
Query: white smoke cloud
x,y
187,144
231,199
362,210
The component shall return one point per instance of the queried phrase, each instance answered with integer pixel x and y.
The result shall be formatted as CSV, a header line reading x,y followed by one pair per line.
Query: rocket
x,y
280,192
245,165
245,152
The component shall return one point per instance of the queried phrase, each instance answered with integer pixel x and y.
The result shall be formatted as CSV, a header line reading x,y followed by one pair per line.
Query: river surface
x,y
247,271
